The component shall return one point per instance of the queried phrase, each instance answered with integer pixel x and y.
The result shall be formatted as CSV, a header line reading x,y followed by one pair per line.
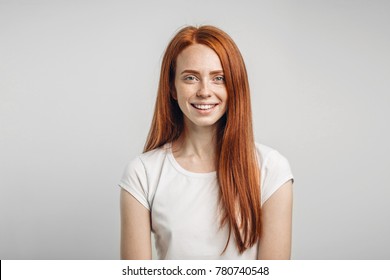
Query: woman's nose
x,y
203,91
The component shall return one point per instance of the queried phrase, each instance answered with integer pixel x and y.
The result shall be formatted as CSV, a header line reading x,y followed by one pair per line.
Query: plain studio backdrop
x,y
78,81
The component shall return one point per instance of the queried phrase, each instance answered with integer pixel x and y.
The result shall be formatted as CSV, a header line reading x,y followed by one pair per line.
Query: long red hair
x,y
237,166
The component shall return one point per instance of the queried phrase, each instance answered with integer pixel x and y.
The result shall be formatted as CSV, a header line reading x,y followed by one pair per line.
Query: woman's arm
x,y
135,229
275,242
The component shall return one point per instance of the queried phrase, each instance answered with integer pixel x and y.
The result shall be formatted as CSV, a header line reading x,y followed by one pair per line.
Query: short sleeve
x,y
275,172
134,180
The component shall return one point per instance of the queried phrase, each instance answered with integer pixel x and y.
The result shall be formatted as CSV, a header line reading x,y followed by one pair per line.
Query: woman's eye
x,y
220,78
190,78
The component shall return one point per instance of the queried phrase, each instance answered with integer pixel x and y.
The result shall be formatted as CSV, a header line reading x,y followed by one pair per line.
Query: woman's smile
x,y
205,109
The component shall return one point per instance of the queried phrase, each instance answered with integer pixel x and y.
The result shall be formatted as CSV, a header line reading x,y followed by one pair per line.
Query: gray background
x,y
77,88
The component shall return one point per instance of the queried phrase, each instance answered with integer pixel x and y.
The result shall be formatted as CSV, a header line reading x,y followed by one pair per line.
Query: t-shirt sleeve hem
x,y
280,183
139,197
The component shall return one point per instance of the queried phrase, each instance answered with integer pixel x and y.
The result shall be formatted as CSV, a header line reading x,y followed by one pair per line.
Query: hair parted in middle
x,y
237,166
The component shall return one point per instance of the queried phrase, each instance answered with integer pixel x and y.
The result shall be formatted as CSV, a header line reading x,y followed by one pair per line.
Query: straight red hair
x,y
237,166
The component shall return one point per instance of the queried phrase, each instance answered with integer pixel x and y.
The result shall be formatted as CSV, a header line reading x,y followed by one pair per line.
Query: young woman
x,y
203,186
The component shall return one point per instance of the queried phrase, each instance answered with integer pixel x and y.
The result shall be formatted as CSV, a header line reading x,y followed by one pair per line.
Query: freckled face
x,y
200,86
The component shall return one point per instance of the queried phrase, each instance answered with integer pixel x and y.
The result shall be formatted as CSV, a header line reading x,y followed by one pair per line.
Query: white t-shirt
x,y
184,205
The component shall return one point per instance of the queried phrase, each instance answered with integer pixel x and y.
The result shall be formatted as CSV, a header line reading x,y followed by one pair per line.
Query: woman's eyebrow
x,y
190,71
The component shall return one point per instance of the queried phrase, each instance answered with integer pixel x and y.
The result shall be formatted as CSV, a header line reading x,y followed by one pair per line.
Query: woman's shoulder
x,y
275,170
264,151
269,156
145,164
149,162
154,155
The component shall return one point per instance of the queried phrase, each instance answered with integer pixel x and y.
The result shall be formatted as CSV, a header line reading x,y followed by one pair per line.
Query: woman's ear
x,y
173,93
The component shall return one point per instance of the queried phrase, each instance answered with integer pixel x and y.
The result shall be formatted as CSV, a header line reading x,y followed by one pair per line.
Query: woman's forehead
x,y
198,57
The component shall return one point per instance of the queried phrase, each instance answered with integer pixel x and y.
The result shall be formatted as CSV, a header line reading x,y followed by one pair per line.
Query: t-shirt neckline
x,y
184,171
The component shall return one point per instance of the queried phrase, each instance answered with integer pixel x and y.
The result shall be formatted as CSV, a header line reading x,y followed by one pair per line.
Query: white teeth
x,y
203,106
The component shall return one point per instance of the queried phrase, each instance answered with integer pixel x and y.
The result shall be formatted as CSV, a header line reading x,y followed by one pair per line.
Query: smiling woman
x,y
203,186
199,87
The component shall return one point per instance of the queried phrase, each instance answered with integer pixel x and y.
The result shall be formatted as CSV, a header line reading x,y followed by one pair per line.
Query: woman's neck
x,y
196,142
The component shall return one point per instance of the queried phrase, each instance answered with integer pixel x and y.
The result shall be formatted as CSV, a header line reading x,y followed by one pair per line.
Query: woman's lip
x,y
205,107
207,104
204,111
212,103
